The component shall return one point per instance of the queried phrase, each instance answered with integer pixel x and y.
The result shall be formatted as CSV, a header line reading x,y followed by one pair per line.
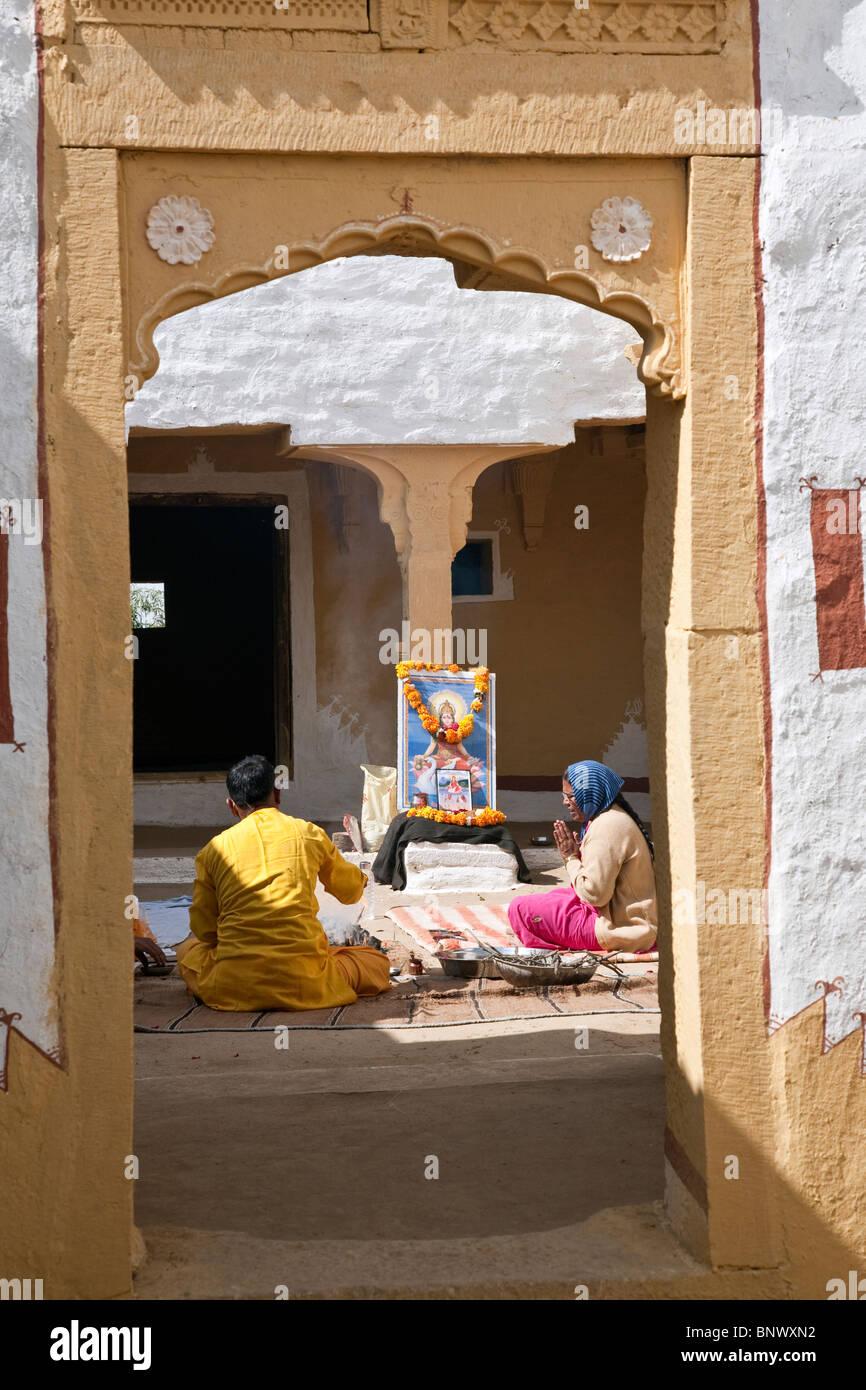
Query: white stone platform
x,y
443,867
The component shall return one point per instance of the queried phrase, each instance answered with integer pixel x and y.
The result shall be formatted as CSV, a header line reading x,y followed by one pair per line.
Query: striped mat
x,y
445,928
438,928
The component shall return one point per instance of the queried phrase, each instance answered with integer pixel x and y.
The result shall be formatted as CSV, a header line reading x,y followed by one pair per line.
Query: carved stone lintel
x,y
552,26
411,23
346,15
56,20
605,26
530,481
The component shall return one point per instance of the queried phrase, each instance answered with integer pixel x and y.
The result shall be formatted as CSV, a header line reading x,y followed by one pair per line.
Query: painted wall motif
x,y
28,995
628,755
814,292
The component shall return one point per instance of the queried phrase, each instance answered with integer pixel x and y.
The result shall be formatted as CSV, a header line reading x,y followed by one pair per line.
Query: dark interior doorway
x,y
211,679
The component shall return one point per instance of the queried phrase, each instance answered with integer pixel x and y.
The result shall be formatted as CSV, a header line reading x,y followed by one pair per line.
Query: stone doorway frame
x,y
699,587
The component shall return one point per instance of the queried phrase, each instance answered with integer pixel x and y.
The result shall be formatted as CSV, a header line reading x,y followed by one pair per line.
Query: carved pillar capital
x,y
425,497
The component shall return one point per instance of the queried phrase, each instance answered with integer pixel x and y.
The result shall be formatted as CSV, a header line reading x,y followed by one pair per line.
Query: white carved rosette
x,y
621,229
179,229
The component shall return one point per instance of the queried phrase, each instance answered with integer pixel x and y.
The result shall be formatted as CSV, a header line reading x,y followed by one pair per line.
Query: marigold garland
x,y
428,720
485,815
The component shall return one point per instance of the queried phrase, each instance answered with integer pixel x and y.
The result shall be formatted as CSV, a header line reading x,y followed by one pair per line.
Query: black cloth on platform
x,y
389,865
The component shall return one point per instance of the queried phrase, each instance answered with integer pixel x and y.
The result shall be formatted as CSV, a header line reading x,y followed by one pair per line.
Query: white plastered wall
x,y
812,220
27,985
388,350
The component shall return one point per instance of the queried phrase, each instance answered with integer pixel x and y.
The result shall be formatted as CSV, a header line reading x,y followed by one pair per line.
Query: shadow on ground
x,y
334,1137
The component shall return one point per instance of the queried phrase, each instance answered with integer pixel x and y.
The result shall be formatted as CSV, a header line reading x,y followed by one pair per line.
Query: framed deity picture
x,y
433,737
454,790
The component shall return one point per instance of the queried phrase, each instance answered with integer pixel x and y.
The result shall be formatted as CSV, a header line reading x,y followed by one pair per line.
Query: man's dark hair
x,y
251,781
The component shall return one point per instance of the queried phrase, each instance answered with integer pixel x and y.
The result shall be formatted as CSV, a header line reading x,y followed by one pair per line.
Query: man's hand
x,y
566,841
145,948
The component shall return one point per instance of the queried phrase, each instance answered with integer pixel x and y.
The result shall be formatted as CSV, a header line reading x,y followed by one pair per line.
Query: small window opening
x,y
472,569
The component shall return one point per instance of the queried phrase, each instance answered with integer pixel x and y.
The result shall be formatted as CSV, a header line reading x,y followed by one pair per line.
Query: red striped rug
x,y
444,928
438,928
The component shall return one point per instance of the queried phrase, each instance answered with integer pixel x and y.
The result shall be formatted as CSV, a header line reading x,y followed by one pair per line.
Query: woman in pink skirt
x,y
609,903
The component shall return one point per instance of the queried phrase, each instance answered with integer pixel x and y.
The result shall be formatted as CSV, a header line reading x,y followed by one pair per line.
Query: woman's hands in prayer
x,y
567,842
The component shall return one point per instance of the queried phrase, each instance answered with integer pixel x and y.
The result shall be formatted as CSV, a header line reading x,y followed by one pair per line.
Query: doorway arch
x,y
412,234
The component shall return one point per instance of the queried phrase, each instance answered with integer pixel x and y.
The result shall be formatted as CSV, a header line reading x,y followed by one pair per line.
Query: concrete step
x,y
320,1183
621,1253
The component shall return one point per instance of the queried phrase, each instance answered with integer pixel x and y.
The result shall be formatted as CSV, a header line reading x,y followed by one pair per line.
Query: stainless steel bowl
x,y
470,964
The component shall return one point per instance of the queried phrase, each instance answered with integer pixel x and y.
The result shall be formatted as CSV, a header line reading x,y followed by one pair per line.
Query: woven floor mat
x,y
162,1005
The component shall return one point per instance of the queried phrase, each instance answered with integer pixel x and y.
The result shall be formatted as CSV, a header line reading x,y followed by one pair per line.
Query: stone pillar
x,y
66,1129
426,561
705,712
425,496
440,480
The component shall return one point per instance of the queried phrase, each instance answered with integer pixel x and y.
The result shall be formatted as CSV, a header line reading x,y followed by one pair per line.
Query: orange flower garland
x,y
485,815
428,720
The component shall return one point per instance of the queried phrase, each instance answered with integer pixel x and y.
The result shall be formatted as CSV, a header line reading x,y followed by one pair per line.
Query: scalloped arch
x,y
414,235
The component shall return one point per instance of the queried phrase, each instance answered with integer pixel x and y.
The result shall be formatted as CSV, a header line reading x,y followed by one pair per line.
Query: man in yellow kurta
x,y
257,942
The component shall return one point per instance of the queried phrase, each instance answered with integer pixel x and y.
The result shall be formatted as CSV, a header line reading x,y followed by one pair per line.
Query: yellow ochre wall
x,y
567,650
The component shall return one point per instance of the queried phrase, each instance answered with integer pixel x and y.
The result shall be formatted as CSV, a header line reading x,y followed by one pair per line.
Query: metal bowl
x,y
470,964
526,974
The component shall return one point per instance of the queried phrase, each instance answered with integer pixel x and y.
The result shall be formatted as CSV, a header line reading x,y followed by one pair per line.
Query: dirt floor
x,y
352,1164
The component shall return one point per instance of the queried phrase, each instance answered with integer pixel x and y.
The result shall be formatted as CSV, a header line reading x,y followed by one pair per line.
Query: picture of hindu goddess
x,y
454,797
441,754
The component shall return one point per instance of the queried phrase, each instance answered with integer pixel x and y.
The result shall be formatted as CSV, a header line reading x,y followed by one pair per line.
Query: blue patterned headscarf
x,y
594,786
